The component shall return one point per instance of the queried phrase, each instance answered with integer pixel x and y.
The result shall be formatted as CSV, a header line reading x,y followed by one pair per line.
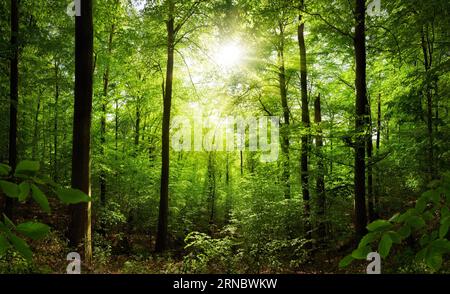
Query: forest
x,y
224,136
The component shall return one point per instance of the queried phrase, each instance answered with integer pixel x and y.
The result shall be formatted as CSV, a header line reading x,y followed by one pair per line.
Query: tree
x,y
161,240
360,119
80,214
305,119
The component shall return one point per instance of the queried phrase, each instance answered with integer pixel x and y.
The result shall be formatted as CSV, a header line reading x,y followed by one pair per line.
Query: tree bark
x,y
369,146
161,238
14,97
55,126
80,225
304,176
285,129
320,182
360,122
428,62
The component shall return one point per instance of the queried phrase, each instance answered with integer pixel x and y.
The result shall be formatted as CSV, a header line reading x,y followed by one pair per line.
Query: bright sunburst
x,y
229,55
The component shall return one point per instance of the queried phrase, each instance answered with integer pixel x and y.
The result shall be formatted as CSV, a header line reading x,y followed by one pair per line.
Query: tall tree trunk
x,y
211,188
284,102
228,201
55,126
116,128
360,122
36,127
103,118
377,146
428,62
161,238
320,182
14,97
241,156
369,146
304,176
80,225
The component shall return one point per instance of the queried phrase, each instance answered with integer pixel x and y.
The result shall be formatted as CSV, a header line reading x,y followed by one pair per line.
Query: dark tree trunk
x,y
320,182
80,225
304,176
360,123
14,97
228,201
241,156
55,126
285,129
161,238
36,128
370,195
428,62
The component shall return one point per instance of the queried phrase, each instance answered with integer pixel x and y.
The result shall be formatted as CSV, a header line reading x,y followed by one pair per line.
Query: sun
x,y
229,55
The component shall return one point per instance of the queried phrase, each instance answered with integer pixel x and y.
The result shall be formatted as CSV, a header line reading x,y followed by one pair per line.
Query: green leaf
x,y
33,230
395,237
405,216
445,212
385,245
443,229
21,246
420,256
421,204
434,261
346,261
361,252
72,196
416,222
4,169
379,225
24,191
4,245
40,198
404,231
11,190
367,239
395,217
442,246
27,167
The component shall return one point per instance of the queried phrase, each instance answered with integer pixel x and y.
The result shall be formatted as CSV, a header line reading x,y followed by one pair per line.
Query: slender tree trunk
x,y
370,195
103,118
161,238
36,128
211,188
241,155
228,201
378,123
116,128
80,225
378,142
55,126
137,129
428,61
360,122
14,97
304,176
284,102
320,182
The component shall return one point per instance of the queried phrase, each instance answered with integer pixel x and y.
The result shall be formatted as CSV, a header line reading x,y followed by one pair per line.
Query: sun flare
x,y
230,55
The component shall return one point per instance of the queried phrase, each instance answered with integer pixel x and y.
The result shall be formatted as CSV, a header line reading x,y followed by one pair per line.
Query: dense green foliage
x,y
228,211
